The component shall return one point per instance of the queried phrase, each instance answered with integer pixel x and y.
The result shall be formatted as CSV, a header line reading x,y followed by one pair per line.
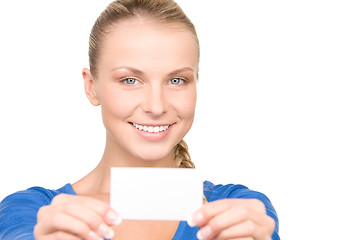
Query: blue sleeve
x,y
215,192
18,213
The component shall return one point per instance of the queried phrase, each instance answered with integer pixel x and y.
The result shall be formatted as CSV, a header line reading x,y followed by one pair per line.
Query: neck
x,y
98,181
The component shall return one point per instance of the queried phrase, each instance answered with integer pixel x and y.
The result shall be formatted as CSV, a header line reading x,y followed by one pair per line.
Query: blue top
x,y
18,211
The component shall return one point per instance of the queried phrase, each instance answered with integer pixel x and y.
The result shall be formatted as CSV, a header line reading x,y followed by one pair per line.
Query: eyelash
x,y
181,80
126,80
135,81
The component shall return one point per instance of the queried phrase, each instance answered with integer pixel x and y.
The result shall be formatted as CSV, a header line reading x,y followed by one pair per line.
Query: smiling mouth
x,y
151,129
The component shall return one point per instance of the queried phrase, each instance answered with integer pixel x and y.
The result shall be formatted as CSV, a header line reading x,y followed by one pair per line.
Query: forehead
x,y
145,41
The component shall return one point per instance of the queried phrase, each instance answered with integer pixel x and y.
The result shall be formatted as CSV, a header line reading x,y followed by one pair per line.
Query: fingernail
x,y
106,231
118,221
203,233
113,218
93,236
195,219
190,223
199,235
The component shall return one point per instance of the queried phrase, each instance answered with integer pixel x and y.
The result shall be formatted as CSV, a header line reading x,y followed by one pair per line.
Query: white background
x,y
271,107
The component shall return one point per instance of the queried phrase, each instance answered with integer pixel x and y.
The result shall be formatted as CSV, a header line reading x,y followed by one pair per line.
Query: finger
x,y
245,229
103,209
80,216
244,238
210,210
65,223
224,220
230,217
91,218
63,236
98,206
109,215
90,211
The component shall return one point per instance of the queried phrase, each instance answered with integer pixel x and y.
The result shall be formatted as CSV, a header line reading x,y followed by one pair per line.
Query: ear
x,y
89,87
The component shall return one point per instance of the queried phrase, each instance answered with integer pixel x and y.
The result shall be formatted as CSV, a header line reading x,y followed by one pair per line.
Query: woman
x,y
143,57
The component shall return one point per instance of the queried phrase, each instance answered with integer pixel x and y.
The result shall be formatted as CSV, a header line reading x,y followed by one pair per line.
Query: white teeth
x,y
151,129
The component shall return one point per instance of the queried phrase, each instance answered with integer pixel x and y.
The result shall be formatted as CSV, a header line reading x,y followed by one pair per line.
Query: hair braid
x,y
182,157
183,160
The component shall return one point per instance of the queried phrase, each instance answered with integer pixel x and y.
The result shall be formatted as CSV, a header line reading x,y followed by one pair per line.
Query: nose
x,y
155,103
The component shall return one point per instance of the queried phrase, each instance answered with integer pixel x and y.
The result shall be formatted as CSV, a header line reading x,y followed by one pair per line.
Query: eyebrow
x,y
133,70
141,73
180,70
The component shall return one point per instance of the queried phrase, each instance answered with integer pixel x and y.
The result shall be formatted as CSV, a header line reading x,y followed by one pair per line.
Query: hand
x,y
75,218
241,219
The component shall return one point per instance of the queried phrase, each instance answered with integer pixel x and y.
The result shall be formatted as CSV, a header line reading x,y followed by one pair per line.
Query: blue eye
x,y
177,81
130,81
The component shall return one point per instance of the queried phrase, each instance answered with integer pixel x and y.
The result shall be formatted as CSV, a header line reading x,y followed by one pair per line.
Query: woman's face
x,y
146,86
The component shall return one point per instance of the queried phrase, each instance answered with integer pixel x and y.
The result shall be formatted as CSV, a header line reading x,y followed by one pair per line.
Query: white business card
x,y
156,193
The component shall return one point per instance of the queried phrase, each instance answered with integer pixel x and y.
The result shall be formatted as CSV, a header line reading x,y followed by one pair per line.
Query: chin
x,y
153,155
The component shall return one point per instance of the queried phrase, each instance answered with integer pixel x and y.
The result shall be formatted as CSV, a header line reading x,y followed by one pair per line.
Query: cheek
x,y
118,104
185,104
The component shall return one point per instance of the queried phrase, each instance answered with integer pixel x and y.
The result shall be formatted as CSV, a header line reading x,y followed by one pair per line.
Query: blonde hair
x,y
164,11
182,157
183,160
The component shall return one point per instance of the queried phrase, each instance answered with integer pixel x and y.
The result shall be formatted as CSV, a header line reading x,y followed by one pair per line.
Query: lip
x,y
152,124
152,136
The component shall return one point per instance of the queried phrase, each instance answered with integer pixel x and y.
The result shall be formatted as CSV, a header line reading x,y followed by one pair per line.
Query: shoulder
x,y
216,192
33,196
18,211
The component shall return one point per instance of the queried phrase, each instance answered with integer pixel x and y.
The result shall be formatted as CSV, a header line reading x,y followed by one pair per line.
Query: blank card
x,y
156,193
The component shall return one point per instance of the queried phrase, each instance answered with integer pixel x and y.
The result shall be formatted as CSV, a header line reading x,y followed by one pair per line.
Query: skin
x,y
151,81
